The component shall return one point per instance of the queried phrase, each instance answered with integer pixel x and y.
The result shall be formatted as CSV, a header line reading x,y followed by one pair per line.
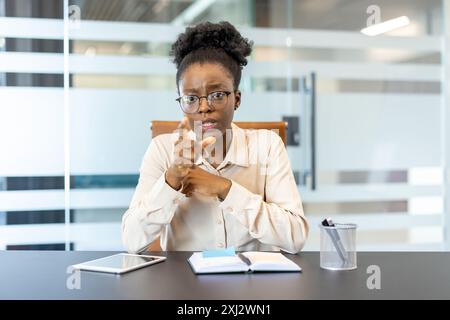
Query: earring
x,y
235,107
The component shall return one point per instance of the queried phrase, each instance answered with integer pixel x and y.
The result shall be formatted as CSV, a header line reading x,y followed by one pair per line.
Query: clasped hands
x,y
188,178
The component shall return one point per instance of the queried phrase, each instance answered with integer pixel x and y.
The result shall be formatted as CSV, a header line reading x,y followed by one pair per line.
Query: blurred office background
x,y
368,132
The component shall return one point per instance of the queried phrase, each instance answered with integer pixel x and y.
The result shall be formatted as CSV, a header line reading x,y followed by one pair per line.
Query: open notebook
x,y
242,262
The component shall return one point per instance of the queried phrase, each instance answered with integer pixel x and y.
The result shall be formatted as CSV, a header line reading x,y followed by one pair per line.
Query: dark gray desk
x,y
42,275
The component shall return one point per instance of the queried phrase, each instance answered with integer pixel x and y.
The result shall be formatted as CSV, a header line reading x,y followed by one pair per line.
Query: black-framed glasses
x,y
191,103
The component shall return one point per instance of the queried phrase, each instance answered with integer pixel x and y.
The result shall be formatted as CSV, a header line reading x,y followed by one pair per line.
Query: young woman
x,y
242,192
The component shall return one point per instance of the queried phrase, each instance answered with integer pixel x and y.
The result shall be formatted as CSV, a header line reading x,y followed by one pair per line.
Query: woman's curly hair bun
x,y
207,35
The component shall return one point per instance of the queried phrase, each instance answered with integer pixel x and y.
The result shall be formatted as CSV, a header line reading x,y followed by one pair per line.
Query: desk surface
x,y
404,275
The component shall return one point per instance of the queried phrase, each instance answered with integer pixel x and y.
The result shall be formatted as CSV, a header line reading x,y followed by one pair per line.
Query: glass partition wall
x,y
81,82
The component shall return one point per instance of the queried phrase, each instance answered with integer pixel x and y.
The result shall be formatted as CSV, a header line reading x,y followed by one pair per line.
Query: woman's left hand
x,y
205,183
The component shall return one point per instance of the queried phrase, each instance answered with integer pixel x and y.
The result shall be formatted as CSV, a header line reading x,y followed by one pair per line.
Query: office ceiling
x,y
310,14
349,15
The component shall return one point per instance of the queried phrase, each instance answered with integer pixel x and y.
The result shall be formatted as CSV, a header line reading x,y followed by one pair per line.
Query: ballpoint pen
x,y
245,259
336,239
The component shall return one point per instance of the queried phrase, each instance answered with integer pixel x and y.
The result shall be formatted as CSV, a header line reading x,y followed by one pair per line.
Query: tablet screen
x,y
119,262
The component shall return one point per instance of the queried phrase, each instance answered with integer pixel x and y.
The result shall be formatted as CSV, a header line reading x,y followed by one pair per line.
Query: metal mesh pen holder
x,y
338,246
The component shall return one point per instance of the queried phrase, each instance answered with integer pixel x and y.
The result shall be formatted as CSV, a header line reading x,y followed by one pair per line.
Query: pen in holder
x,y
337,245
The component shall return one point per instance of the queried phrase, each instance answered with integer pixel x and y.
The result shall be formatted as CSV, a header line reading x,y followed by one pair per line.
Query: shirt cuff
x,y
166,192
162,195
237,198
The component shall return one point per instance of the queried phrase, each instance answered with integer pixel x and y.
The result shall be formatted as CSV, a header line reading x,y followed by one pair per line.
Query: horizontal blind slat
x,y
157,32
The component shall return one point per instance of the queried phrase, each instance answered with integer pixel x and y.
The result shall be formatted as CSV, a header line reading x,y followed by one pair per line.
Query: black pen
x,y
245,259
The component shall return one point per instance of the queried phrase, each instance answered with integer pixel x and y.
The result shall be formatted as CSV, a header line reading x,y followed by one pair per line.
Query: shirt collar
x,y
238,151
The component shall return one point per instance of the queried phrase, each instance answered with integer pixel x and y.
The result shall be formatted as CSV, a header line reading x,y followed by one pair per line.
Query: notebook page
x,y
270,261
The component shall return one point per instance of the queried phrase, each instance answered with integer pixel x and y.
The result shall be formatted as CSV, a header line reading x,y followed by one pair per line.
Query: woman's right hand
x,y
186,151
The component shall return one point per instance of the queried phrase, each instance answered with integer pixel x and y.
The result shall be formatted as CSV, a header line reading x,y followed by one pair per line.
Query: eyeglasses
x,y
191,103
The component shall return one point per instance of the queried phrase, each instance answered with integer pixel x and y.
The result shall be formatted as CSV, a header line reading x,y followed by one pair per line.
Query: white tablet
x,y
119,263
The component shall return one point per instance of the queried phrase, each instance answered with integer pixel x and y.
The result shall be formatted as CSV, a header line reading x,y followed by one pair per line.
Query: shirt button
x,y
219,221
220,245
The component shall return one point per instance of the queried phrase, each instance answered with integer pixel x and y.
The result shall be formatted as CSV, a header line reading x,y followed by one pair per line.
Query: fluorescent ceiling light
x,y
386,26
